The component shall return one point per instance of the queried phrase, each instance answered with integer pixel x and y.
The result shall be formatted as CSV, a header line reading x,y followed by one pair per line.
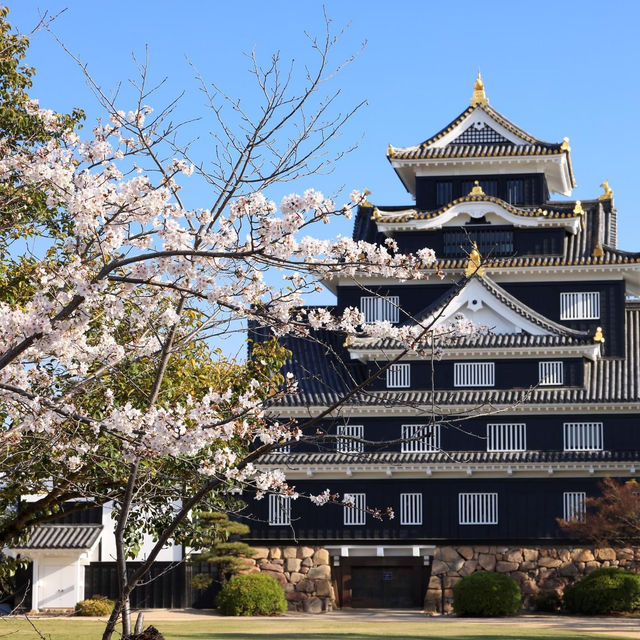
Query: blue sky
x,y
555,68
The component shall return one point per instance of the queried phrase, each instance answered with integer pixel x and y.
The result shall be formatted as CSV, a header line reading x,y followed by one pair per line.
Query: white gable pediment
x,y
478,120
478,305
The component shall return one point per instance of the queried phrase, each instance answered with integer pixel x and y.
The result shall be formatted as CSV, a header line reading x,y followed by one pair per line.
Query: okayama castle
x,y
485,448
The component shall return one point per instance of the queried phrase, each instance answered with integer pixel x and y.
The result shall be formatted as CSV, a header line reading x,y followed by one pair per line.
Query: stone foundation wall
x,y
304,572
535,569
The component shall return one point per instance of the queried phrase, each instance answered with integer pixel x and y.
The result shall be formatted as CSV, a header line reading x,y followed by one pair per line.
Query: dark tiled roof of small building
x,y
454,457
63,536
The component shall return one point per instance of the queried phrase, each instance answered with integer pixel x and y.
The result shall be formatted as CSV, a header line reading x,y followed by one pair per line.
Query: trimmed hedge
x,y
547,601
254,594
486,594
95,606
603,591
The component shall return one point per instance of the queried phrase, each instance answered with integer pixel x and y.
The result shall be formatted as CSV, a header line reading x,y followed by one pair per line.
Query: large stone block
x,y
270,566
323,572
549,562
456,565
312,605
295,596
487,561
306,586
295,577
307,562
438,567
568,570
321,556
502,566
434,582
278,576
582,555
530,555
451,581
289,552
469,567
292,564
260,552
447,554
305,552
513,555
275,553
466,552
606,553
323,588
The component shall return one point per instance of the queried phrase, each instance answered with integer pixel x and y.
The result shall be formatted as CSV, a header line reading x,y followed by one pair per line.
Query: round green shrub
x,y
603,591
254,594
486,594
95,606
547,601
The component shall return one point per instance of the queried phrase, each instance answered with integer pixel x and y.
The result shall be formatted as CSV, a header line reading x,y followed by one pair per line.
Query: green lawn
x,y
307,628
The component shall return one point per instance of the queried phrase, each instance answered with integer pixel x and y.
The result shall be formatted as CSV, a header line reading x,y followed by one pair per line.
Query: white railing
x,y
420,438
574,505
478,508
507,437
379,308
399,376
551,372
354,508
581,305
410,508
279,510
352,440
474,374
583,436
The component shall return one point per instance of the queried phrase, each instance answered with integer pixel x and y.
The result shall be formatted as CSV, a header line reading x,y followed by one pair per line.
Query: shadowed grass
x,y
309,629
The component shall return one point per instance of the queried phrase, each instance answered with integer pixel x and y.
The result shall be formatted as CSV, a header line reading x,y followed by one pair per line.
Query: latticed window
x,y
507,437
410,508
551,372
581,305
279,510
474,374
583,436
491,242
351,442
574,505
399,376
379,309
478,508
420,437
480,135
355,508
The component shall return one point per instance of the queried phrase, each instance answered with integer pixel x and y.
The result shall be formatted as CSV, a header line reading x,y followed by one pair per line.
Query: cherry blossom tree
x,y
135,280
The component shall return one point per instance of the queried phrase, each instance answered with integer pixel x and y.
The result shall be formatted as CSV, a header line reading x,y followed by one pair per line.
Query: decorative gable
x,y
480,133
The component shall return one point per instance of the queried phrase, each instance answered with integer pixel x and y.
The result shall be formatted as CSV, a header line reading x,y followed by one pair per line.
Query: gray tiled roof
x,y
455,457
63,536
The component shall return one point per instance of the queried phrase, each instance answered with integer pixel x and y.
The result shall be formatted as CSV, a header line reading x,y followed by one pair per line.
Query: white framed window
x,y
551,372
583,436
380,308
581,305
355,508
574,503
474,374
399,376
420,437
510,436
279,510
478,508
351,442
410,508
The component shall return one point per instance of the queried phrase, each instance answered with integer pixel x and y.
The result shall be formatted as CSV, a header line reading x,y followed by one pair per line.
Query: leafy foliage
x,y
612,518
256,594
546,601
603,591
486,594
96,605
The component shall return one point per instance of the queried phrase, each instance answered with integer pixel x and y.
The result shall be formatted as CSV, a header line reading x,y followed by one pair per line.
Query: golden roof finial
x,y
578,210
608,191
597,251
474,264
598,337
565,144
365,201
479,98
477,189
390,151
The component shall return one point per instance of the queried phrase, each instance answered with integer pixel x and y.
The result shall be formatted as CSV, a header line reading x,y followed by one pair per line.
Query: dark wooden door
x,y
394,583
